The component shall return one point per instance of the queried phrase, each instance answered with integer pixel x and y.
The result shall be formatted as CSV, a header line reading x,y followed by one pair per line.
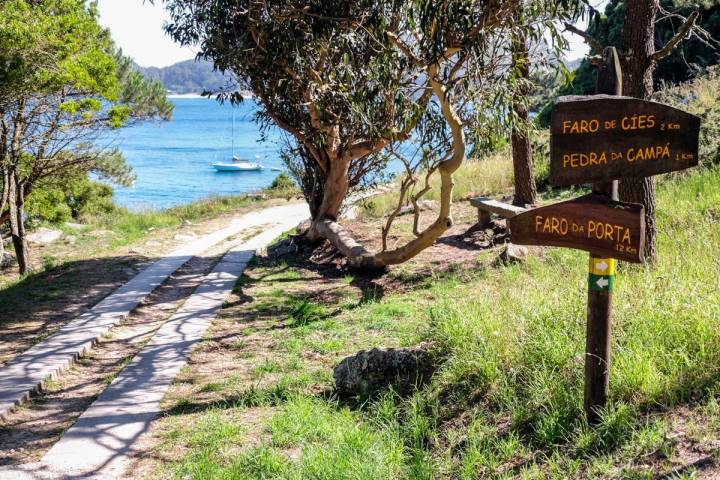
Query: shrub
x,y
699,97
76,200
282,186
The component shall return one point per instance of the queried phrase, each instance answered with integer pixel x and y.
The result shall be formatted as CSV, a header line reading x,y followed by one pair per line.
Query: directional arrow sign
x,y
592,223
598,138
601,283
602,266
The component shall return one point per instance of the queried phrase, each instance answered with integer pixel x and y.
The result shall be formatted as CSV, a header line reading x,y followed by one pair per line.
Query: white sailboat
x,y
237,164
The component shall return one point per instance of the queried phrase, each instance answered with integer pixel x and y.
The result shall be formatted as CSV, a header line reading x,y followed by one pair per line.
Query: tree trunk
x,y
638,65
360,257
16,198
3,203
525,188
336,189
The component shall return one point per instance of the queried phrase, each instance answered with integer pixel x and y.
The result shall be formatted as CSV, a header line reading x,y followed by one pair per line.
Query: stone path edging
x,y
100,444
23,374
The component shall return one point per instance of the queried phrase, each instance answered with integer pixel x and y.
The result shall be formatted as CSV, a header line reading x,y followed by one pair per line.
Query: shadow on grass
x,y
50,298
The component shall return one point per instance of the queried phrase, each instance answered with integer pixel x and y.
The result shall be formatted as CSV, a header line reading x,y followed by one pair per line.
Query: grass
x,y
129,226
111,231
506,400
474,178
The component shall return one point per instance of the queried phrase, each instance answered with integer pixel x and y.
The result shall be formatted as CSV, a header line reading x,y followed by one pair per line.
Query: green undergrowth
x,y
131,226
506,399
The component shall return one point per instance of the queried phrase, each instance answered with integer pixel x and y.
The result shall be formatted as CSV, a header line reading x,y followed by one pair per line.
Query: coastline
x,y
245,94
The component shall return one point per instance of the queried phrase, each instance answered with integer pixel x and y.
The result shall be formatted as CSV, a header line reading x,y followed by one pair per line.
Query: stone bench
x,y
487,206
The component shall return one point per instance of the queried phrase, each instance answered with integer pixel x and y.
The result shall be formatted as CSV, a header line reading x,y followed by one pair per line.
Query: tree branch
x,y
682,33
595,46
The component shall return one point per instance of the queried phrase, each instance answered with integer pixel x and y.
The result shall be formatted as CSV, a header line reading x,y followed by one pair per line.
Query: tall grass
x,y
474,178
506,401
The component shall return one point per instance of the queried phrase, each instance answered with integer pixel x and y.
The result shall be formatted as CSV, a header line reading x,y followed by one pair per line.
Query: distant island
x,y
189,76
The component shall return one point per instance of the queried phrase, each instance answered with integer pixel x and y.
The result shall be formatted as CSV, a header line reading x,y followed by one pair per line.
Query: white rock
x,y
44,236
514,253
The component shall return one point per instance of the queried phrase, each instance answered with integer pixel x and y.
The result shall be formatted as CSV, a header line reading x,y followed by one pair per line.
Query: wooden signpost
x,y
593,223
603,137
599,139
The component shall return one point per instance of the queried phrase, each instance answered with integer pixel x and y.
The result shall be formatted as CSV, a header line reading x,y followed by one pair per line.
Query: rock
x,y
185,237
257,196
187,223
284,247
513,253
74,226
370,371
44,236
71,239
7,259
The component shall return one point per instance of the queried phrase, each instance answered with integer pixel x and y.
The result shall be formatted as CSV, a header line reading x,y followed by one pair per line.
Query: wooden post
x,y
601,275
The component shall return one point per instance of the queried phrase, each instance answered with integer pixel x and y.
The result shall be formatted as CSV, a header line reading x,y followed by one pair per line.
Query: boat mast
x,y
233,131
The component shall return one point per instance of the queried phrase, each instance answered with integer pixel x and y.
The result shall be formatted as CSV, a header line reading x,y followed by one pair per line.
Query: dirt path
x,y
31,430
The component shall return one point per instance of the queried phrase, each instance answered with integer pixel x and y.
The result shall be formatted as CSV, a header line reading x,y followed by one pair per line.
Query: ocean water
x,y
172,159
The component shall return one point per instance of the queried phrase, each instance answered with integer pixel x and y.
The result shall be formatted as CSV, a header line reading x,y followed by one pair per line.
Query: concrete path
x,y
100,444
23,374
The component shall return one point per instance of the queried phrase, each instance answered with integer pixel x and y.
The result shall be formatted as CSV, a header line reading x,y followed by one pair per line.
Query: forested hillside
x,y
189,76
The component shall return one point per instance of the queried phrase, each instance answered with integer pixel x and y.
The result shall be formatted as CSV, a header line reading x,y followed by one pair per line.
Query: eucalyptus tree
x,y
63,86
349,81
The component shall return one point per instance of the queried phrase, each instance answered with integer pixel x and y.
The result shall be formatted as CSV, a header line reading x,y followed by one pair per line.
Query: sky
x,y
136,27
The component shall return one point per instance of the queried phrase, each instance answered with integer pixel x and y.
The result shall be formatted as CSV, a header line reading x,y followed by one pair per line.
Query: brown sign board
x,y
592,223
599,138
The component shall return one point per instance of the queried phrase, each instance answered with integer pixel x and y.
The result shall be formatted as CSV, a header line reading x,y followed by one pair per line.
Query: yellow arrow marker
x,y
602,266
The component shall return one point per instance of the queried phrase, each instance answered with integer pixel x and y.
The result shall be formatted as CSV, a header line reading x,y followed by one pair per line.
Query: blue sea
x,y
172,159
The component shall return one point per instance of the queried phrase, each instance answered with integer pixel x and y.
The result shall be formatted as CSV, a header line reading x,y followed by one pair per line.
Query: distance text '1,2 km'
x,y
593,223
600,138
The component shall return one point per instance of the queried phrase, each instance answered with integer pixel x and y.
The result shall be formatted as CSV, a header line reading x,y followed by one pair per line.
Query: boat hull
x,y
227,167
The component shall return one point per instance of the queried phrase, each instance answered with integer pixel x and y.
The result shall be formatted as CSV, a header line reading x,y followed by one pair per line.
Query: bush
x,y
76,200
699,97
48,205
283,182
